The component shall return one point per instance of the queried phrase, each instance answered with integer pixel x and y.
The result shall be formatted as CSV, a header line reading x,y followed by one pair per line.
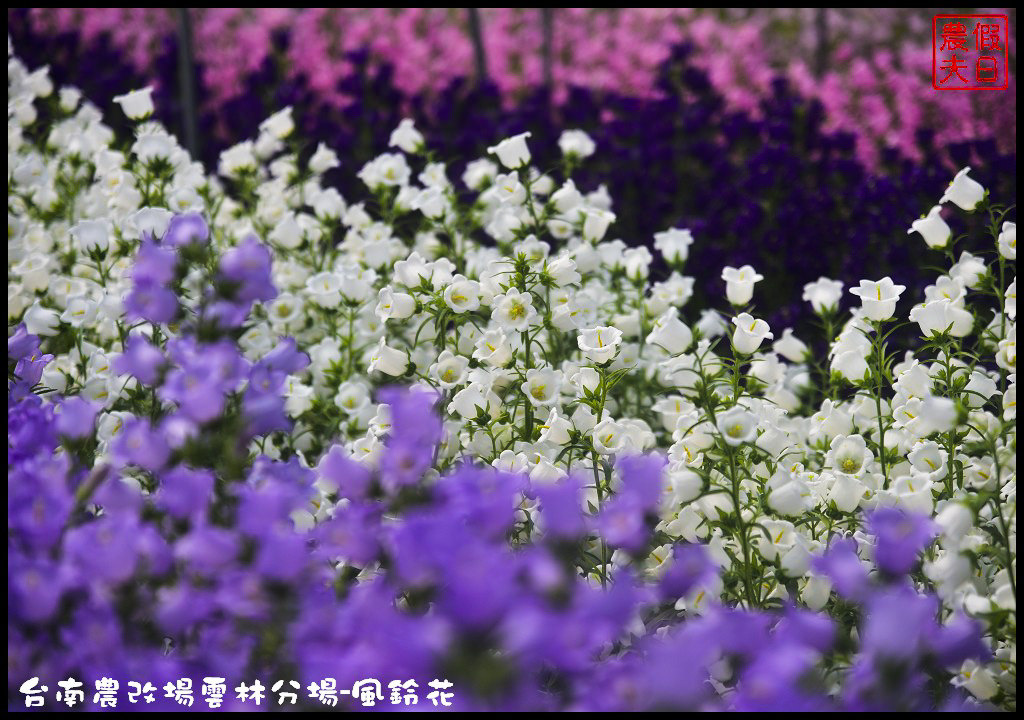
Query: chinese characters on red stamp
x,y
970,52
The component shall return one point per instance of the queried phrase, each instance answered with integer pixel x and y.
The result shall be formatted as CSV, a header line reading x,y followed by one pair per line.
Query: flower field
x,y
403,390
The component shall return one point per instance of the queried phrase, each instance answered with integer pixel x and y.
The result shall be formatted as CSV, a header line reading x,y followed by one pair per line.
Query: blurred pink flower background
x,y
871,69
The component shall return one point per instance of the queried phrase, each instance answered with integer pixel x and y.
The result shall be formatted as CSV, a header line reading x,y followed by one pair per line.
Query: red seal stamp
x,y
970,52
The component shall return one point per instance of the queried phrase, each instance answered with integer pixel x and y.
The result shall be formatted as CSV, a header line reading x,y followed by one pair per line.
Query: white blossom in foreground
x,y
964,191
1007,241
137,104
737,426
823,294
749,333
878,298
674,245
576,143
599,344
512,152
933,228
739,284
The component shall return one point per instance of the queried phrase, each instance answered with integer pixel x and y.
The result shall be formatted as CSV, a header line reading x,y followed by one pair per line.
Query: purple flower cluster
x,y
152,298
245,277
26,360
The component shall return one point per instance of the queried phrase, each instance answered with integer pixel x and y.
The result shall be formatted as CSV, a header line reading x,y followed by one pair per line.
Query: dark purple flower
x,y
404,463
958,640
415,433
337,471
898,623
184,492
34,588
179,607
141,444
674,673
351,535
154,551
221,646
773,682
290,473
31,430
691,566
422,547
247,266
178,429
739,632
843,566
103,550
642,478
243,594
263,402
186,229
266,506
227,366
561,508
203,378
207,550
414,419
264,413
265,380
154,266
152,302
286,358
542,572
804,627
228,314
29,370
76,417
622,522
93,633
282,555
899,538
117,497
482,498
140,359
21,344
38,502
479,585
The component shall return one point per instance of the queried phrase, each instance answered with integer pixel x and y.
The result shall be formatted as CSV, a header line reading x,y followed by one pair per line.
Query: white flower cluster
x,y
553,350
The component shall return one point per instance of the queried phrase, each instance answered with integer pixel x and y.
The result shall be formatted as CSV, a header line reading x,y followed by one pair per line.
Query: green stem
x,y
879,380
742,528
528,406
602,393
